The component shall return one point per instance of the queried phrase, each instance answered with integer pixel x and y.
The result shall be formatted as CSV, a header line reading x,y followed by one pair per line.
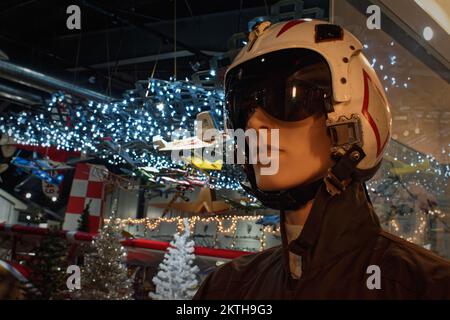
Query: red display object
x,y
131,243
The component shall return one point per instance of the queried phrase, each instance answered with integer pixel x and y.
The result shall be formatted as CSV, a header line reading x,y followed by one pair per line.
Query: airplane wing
x,y
149,169
23,163
50,165
183,144
171,180
43,175
204,164
203,138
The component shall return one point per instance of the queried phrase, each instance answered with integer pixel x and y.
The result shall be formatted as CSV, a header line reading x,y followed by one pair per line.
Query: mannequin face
x,y
304,150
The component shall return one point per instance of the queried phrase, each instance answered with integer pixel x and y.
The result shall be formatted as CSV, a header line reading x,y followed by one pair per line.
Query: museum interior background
x,y
79,110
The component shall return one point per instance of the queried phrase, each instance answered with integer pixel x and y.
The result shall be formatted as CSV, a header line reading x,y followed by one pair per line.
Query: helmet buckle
x,y
344,133
333,184
340,175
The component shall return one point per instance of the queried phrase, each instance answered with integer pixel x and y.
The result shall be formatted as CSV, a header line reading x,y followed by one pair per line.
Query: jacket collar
x,y
334,225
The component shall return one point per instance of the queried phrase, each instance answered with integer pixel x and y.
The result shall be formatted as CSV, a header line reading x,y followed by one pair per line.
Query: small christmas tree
x,y
48,267
83,221
105,275
177,278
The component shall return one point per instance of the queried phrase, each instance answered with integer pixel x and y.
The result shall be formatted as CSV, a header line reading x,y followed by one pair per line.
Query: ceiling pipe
x,y
3,55
20,96
62,61
31,78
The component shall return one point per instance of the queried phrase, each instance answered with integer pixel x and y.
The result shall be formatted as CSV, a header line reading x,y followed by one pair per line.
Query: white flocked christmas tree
x,y
177,276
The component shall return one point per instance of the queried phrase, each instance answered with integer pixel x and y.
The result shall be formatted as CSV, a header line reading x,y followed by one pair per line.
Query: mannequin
x,y
330,141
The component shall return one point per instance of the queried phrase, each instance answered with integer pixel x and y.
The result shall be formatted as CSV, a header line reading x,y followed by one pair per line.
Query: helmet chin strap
x,y
289,199
336,180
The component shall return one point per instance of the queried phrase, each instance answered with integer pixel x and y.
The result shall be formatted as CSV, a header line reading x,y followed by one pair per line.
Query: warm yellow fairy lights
x,y
227,226
395,225
416,236
221,221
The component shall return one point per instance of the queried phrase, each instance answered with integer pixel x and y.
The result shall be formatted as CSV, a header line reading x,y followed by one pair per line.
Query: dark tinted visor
x,y
290,85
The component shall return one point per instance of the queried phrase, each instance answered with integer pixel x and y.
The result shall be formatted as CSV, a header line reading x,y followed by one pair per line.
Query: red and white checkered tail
x,y
87,188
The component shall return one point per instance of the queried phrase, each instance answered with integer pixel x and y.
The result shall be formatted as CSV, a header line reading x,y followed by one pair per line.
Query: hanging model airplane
x,y
188,181
40,168
203,164
203,138
401,168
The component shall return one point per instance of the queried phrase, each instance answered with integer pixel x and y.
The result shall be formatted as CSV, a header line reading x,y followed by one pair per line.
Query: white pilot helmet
x,y
357,109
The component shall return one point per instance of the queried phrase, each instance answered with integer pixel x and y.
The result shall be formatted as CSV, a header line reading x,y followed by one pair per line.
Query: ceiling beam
x,y
144,59
145,28
216,30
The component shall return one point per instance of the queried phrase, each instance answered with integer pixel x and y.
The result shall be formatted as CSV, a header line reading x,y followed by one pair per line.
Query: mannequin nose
x,y
259,120
264,142
264,127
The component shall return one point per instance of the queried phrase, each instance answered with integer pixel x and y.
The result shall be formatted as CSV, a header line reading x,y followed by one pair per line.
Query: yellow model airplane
x,y
402,168
203,164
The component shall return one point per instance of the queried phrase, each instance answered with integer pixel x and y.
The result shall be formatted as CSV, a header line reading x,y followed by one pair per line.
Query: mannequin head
x,y
288,96
291,77
304,150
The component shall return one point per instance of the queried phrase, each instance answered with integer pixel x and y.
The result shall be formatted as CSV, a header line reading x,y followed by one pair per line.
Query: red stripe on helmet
x,y
289,25
367,115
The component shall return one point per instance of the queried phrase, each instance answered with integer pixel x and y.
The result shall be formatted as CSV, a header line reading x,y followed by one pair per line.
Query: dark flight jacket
x,y
342,237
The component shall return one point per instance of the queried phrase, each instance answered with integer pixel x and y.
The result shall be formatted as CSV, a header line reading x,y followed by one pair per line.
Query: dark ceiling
x,y
120,41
